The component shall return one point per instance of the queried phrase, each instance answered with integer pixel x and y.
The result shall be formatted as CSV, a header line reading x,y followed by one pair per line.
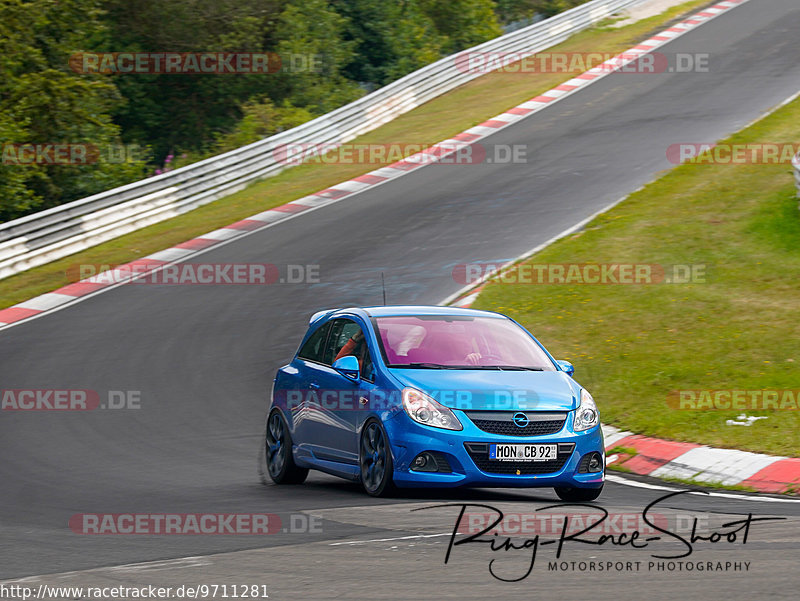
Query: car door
x,y
344,402
304,387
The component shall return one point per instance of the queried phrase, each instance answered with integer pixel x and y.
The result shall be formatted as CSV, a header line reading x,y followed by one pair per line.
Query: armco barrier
x,y
54,233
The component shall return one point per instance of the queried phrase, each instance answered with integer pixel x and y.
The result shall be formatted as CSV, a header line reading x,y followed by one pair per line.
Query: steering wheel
x,y
489,356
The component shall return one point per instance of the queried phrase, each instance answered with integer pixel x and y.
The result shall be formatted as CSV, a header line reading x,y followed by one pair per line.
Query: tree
x,y
395,37
182,111
462,23
44,102
509,11
313,53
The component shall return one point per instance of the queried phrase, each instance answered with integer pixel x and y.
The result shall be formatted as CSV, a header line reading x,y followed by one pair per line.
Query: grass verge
x,y
708,485
695,484
436,120
635,345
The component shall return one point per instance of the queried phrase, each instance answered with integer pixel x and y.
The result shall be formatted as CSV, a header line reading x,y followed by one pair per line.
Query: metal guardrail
x,y
796,165
55,233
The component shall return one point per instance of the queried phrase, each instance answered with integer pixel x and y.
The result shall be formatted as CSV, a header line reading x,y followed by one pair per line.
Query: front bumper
x,y
464,451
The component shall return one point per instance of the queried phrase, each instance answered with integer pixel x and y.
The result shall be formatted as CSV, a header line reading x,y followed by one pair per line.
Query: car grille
x,y
501,422
479,452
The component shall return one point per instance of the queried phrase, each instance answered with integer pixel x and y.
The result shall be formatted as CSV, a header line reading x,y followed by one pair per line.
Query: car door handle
x,y
313,385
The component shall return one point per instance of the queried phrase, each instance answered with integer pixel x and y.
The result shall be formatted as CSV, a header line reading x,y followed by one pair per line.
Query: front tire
x,y
278,453
578,495
375,461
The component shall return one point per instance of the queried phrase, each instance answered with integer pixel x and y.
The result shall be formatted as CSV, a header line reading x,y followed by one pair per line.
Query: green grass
x,y
436,120
628,452
623,451
708,485
632,345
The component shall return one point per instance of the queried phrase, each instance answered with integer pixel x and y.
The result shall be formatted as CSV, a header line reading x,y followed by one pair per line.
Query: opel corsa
x,y
421,396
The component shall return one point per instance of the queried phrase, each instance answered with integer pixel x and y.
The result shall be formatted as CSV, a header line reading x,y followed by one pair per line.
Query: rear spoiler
x,y
320,314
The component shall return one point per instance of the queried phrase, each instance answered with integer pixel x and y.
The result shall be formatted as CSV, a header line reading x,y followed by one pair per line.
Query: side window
x,y
342,331
315,345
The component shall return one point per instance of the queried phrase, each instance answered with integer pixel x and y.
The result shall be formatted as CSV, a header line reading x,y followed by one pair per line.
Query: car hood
x,y
489,390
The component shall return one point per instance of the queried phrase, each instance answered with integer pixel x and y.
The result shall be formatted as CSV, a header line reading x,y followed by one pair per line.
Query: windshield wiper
x,y
484,367
425,366
507,367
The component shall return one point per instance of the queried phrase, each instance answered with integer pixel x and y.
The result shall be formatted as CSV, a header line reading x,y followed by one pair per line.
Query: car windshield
x,y
459,342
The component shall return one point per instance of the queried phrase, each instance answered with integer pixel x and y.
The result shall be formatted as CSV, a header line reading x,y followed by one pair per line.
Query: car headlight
x,y
586,416
425,410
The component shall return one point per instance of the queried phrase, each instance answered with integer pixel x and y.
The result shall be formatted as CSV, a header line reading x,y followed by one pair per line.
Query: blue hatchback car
x,y
422,396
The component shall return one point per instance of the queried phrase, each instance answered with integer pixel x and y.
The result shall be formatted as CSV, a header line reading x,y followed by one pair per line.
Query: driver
x,y
412,340
473,359
354,346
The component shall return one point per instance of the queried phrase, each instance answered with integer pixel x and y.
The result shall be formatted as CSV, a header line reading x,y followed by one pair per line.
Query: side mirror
x,y
348,367
566,366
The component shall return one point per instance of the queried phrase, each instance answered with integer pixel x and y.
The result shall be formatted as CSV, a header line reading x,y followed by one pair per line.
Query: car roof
x,y
406,310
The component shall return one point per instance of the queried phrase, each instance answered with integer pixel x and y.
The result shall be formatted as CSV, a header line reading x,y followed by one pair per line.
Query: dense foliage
x,y
140,123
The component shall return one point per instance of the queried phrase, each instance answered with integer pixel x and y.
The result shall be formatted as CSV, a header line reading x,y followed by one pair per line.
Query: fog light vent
x,y
591,463
431,461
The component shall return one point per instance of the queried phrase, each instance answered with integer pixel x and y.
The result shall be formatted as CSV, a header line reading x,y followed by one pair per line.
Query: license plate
x,y
523,452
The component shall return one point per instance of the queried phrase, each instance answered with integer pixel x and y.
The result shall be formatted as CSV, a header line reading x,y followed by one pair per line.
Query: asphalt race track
x,y
203,358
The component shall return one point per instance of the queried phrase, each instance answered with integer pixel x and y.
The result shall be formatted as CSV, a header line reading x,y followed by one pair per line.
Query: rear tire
x,y
280,463
578,495
375,460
